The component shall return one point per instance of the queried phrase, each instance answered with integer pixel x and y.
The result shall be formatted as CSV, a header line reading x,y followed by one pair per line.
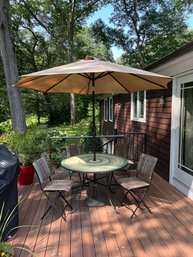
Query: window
x,y
138,102
106,112
110,109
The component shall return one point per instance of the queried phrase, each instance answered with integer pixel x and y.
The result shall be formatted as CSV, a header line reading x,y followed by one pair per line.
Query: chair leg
x,y
139,202
80,177
49,208
70,174
140,198
68,204
52,205
124,197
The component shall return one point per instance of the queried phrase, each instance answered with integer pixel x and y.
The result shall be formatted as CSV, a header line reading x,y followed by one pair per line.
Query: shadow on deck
x,y
100,231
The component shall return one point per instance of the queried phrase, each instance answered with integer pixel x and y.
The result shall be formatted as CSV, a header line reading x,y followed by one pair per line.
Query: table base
x,y
91,202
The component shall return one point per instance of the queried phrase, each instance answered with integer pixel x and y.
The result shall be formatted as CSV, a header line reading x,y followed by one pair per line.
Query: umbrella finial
x,y
89,57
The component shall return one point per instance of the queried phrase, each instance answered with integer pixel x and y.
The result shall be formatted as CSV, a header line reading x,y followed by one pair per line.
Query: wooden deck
x,y
100,231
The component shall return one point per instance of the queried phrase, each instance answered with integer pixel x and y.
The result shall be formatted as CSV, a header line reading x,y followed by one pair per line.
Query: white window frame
x,y
138,118
111,113
106,106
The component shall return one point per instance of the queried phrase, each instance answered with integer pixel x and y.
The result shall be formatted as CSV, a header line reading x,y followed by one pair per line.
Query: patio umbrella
x,y
93,76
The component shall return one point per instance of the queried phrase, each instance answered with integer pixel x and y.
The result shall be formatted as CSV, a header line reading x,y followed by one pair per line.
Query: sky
x,y
105,14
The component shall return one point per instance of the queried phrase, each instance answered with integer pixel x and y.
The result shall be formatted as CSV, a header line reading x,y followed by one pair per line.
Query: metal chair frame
x,y
142,180
73,150
43,173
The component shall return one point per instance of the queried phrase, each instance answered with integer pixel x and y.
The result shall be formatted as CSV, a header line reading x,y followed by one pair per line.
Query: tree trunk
x,y
10,69
49,107
72,109
37,108
70,59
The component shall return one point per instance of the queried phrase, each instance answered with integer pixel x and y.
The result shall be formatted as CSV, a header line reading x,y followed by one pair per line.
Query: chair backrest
x,y
121,149
146,165
42,169
74,149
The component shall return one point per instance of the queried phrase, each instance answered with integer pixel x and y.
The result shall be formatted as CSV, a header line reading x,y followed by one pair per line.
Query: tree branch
x,y
42,24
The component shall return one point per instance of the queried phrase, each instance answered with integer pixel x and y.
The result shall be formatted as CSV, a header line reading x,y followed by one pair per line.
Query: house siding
x,y
163,125
157,125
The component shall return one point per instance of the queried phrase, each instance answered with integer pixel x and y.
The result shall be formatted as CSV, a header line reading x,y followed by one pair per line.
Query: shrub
x,y
7,249
30,145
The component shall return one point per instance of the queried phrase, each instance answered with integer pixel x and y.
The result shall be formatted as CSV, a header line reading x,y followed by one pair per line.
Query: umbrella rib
x,y
119,82
147,80
19,84
87,77
103,74
58,83
82,89
84,75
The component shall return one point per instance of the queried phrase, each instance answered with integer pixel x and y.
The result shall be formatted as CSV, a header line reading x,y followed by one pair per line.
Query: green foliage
x,y
5,126
25,145
4,107
151,29
59,112
89,141
86,43
42,42
145,30
30,145
38,140
7,249
31,121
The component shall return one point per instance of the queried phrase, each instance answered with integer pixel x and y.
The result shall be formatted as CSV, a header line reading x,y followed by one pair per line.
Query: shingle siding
x,y
157,126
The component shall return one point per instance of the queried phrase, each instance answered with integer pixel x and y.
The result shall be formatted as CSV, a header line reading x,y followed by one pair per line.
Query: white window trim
x,y
112,111
144,109
105,118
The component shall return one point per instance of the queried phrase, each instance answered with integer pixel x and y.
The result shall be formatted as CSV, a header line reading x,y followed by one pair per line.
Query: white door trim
x,y
180,179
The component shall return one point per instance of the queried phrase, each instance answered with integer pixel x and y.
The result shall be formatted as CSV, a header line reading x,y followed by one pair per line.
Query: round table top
x,y
84,163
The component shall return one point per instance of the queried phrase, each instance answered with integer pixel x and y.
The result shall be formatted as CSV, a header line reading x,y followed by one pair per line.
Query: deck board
x,y
100,231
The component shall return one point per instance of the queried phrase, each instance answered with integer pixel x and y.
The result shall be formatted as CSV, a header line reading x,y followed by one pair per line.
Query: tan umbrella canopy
x,y
93,76
78,78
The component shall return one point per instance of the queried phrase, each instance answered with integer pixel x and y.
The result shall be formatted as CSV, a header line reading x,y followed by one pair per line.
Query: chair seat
x,y
58,185
132,183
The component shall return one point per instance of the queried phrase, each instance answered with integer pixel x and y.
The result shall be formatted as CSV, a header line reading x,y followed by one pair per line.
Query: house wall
x,y
156,127
181,69
162,123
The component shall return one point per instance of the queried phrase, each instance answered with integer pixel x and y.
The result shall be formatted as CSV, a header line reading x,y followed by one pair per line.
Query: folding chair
x,y
59,186
73,150
141,181
122,149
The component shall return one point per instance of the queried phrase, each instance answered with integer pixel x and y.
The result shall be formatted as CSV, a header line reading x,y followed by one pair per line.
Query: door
x,y
182,135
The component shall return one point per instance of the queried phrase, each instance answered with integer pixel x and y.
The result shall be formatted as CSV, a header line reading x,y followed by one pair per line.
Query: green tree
x,y
10,68
61,20
145,30
35,51
4,104
39,48
85,43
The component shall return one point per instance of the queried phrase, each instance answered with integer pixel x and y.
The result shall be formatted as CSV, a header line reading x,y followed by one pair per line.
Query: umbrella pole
x,y
93,121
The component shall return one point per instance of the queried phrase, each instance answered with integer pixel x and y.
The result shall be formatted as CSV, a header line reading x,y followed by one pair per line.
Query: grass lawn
x,y
36,138
10,138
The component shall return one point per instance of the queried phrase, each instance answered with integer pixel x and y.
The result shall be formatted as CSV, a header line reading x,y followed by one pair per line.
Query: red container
x,y
26,175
